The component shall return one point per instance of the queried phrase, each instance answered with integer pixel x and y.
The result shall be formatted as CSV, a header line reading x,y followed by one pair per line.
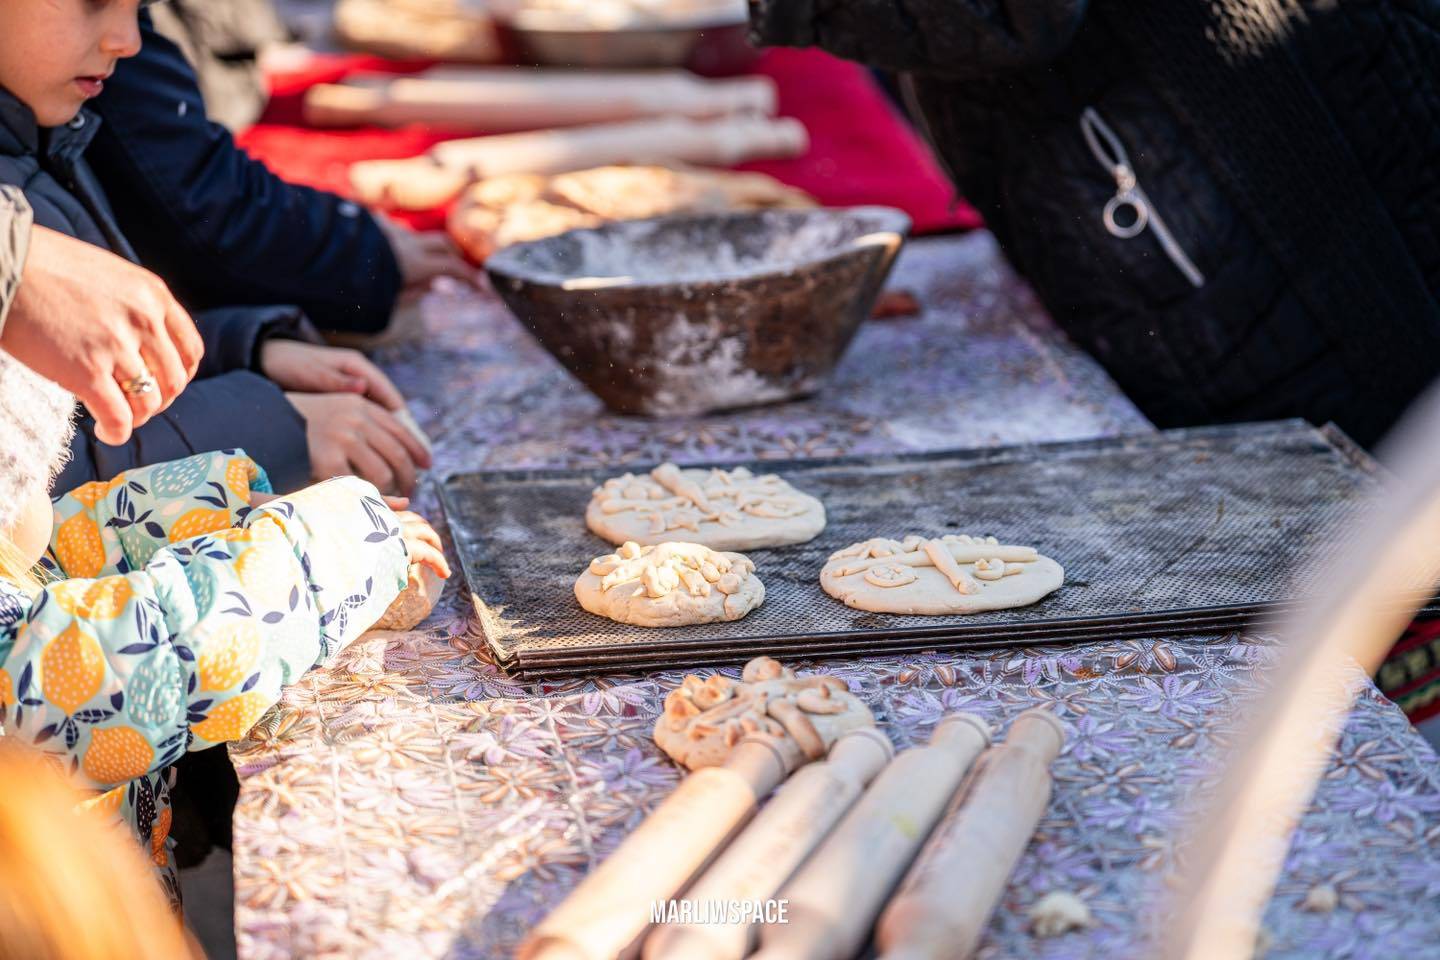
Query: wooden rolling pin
x,y
501,100
608,911
764,855
834,898
436,178
947,898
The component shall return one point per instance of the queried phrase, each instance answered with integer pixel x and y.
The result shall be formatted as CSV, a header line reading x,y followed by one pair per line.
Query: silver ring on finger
x,y
138,385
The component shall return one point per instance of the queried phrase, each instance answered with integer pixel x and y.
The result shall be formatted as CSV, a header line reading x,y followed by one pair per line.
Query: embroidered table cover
x,y
411,800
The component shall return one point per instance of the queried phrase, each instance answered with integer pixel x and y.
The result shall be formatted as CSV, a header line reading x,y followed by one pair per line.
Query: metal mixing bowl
x,y
684,315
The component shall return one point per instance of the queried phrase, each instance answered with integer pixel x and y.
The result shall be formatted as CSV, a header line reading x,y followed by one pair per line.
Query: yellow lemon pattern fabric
x,y
177,616
72,668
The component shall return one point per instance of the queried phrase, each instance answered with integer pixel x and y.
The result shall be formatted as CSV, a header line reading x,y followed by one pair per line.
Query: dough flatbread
x,y
722,509
669,585
512,208
947,575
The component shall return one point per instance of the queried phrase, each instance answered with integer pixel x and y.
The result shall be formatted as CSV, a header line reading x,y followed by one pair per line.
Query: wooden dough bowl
x,y
689,314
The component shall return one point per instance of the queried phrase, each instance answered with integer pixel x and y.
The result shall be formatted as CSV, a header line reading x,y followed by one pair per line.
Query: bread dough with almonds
x,y
722,509
669,585
939,576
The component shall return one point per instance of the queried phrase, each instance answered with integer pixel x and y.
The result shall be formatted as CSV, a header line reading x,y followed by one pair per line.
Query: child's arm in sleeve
x,y
115,526
120,675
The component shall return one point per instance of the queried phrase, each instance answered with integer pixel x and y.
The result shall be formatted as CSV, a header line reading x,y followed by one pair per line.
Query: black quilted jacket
x,y
1285,157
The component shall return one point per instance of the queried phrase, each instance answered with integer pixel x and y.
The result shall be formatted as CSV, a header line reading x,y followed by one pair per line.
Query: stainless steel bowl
x,y
712,45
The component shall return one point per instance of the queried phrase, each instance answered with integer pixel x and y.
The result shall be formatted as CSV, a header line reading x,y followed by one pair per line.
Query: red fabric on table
x,y
861,149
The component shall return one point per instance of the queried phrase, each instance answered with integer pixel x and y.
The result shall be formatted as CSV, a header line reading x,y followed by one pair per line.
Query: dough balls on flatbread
x,y
669,585
944,575
722,509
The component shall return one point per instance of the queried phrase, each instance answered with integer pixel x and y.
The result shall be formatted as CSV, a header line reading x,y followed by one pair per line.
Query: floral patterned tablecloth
x,y
411,800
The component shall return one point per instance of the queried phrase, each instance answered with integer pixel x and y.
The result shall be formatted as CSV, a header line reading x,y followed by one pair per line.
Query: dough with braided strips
x,y
939,576
722,509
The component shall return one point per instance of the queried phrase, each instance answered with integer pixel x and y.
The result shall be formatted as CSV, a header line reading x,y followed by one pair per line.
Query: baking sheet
x,y
1188,531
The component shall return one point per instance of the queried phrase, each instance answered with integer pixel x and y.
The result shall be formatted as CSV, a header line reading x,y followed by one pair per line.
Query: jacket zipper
x,y
1106,147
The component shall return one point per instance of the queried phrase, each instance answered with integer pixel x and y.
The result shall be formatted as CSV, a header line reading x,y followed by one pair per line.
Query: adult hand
x,y
350,434
421,540
311,368
90,321
424,256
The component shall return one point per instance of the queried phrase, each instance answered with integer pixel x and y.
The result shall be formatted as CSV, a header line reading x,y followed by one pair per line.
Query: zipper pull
x,y
1107,148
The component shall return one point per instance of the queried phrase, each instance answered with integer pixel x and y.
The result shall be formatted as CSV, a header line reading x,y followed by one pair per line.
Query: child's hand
x,y
311,368
421,540
424,256
348,434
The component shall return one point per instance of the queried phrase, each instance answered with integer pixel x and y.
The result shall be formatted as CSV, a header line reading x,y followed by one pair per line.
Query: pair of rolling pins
x,y
945,901
610,909
508,99
761,858
437,177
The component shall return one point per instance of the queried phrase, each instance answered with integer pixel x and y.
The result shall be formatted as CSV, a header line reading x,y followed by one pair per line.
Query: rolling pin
x,y
834,898
721,142
436,178
502,100
764,855
946,900
610,908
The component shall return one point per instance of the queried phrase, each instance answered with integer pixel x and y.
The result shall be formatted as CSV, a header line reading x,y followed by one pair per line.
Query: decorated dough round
x,y
946,575
669,585
722,509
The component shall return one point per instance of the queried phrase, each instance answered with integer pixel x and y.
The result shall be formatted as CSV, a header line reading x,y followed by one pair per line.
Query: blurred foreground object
x,y
456,30
76,886
501,99
437,177
1364,599
499,211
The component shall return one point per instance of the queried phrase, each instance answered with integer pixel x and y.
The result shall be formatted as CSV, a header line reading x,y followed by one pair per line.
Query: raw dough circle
x,y
669,585
901,576
722,509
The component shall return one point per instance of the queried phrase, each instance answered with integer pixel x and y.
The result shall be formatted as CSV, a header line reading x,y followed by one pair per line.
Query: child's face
x,y
56,54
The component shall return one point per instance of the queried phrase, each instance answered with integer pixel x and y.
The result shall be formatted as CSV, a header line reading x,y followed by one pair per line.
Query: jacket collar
x,y
21,135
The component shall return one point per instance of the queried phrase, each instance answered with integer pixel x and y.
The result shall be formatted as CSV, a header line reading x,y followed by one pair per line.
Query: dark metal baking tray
x,y
1185,531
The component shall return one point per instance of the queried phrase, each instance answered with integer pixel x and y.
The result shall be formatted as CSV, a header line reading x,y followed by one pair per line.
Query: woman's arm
x,y
937,37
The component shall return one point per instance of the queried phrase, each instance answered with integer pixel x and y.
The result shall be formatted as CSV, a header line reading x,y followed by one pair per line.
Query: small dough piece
x,y
939,576
722,509
415,602
1058,912
669,585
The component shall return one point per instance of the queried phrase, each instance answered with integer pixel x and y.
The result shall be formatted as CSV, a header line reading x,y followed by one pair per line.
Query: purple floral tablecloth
x,y
411,800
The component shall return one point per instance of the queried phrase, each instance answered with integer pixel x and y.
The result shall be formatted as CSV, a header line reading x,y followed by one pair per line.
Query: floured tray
x,y
1181,532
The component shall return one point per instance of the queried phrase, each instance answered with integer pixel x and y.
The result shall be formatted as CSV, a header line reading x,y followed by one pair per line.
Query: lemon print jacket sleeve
x,y
185,612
